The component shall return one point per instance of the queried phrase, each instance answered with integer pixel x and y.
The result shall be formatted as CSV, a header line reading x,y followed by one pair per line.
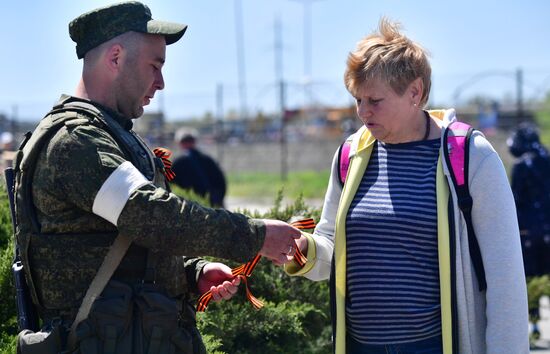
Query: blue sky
x,y
465,38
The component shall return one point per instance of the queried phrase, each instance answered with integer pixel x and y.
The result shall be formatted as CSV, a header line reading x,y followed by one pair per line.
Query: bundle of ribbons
x,y
164,155
244,271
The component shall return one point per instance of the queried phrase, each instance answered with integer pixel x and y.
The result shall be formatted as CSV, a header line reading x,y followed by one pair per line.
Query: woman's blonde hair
x,y
390,56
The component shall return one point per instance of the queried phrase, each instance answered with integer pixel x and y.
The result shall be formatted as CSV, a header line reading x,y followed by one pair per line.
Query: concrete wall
x,y
266,157
308,155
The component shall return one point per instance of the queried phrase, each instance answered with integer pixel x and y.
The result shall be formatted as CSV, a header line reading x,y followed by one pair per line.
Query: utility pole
x,y
241,67
220,136
278,43
13,127
519,94
307,46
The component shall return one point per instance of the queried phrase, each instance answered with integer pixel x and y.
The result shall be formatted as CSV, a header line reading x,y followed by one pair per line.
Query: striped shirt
x,y
392,260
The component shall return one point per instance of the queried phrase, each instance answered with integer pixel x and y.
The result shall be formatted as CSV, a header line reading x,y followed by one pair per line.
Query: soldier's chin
x,y
137,113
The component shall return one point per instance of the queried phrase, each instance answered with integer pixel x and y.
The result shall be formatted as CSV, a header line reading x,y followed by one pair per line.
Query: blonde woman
x,y
392,238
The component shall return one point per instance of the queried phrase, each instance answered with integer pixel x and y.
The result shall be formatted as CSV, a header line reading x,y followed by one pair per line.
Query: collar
x,y
363,139
124,122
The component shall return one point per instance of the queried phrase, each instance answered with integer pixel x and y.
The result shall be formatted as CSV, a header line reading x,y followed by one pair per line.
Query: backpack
x,y
456,147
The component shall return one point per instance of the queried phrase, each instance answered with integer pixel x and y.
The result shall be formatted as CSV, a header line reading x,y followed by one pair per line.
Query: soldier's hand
x,y
217,278
280,241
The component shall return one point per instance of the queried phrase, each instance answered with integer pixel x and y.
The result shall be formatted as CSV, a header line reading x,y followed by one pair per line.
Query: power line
x,y
307,46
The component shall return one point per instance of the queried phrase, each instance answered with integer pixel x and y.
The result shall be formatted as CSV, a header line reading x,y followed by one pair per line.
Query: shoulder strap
x,y
343,161
110,263
456,147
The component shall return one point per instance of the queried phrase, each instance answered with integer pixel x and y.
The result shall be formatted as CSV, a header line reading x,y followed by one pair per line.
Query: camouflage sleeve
x,y
177,273
161,221
193,269
93,173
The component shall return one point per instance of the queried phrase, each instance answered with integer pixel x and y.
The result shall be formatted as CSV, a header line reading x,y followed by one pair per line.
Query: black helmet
x,y
524,139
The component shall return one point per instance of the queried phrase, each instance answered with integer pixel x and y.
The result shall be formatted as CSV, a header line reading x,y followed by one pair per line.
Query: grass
x,y
309,184
543,120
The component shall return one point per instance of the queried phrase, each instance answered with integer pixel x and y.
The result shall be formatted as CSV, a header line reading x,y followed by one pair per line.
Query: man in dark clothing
x,y
197,171
531,188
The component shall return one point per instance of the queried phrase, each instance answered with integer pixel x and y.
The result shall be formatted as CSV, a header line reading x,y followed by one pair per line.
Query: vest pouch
x,y
108,328
160,324
46,341
188,320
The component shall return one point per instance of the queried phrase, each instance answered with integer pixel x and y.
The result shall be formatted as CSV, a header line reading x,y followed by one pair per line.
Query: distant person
x,y
392,239
531,187
197,171
488,118
6,141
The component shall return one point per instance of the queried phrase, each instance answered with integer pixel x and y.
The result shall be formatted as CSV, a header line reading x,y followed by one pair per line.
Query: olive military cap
x,y
100,25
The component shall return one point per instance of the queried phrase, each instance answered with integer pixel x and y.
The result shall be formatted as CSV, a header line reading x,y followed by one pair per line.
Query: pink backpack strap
x,y
343,161
456,148
457,135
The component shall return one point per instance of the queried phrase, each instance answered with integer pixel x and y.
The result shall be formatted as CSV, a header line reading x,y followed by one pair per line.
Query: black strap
x,y
340,179
465,202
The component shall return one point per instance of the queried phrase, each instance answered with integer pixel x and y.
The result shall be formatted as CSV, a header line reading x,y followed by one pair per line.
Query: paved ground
x,y
544,328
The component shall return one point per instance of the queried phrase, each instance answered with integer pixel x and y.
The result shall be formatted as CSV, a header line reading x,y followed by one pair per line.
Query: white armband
x,y
114,193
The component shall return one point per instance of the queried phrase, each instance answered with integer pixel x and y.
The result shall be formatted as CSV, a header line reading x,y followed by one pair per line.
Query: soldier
x,y
84,178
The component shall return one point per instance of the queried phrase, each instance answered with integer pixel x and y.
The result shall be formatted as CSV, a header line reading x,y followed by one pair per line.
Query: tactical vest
x,y
73,111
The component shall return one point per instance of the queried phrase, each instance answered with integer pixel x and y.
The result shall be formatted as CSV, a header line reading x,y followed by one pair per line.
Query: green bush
x,y
537,287
296,315
8,319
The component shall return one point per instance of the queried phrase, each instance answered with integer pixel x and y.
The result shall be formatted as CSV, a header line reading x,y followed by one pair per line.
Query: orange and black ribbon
x,y
244,271
164,154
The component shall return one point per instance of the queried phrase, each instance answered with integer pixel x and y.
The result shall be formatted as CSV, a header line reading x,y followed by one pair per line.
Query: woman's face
x,y
386,114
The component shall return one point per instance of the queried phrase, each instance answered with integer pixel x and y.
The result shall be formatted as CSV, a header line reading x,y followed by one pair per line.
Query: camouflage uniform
x,y
73,240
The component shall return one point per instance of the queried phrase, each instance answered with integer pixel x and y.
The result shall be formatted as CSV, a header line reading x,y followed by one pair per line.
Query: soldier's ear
x,y
113,57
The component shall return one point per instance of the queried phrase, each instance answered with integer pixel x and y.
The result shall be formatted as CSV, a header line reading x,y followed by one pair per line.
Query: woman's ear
x,y
415,90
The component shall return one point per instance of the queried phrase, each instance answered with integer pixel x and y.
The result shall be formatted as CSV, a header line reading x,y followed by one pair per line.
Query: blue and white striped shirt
x,y
392,260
